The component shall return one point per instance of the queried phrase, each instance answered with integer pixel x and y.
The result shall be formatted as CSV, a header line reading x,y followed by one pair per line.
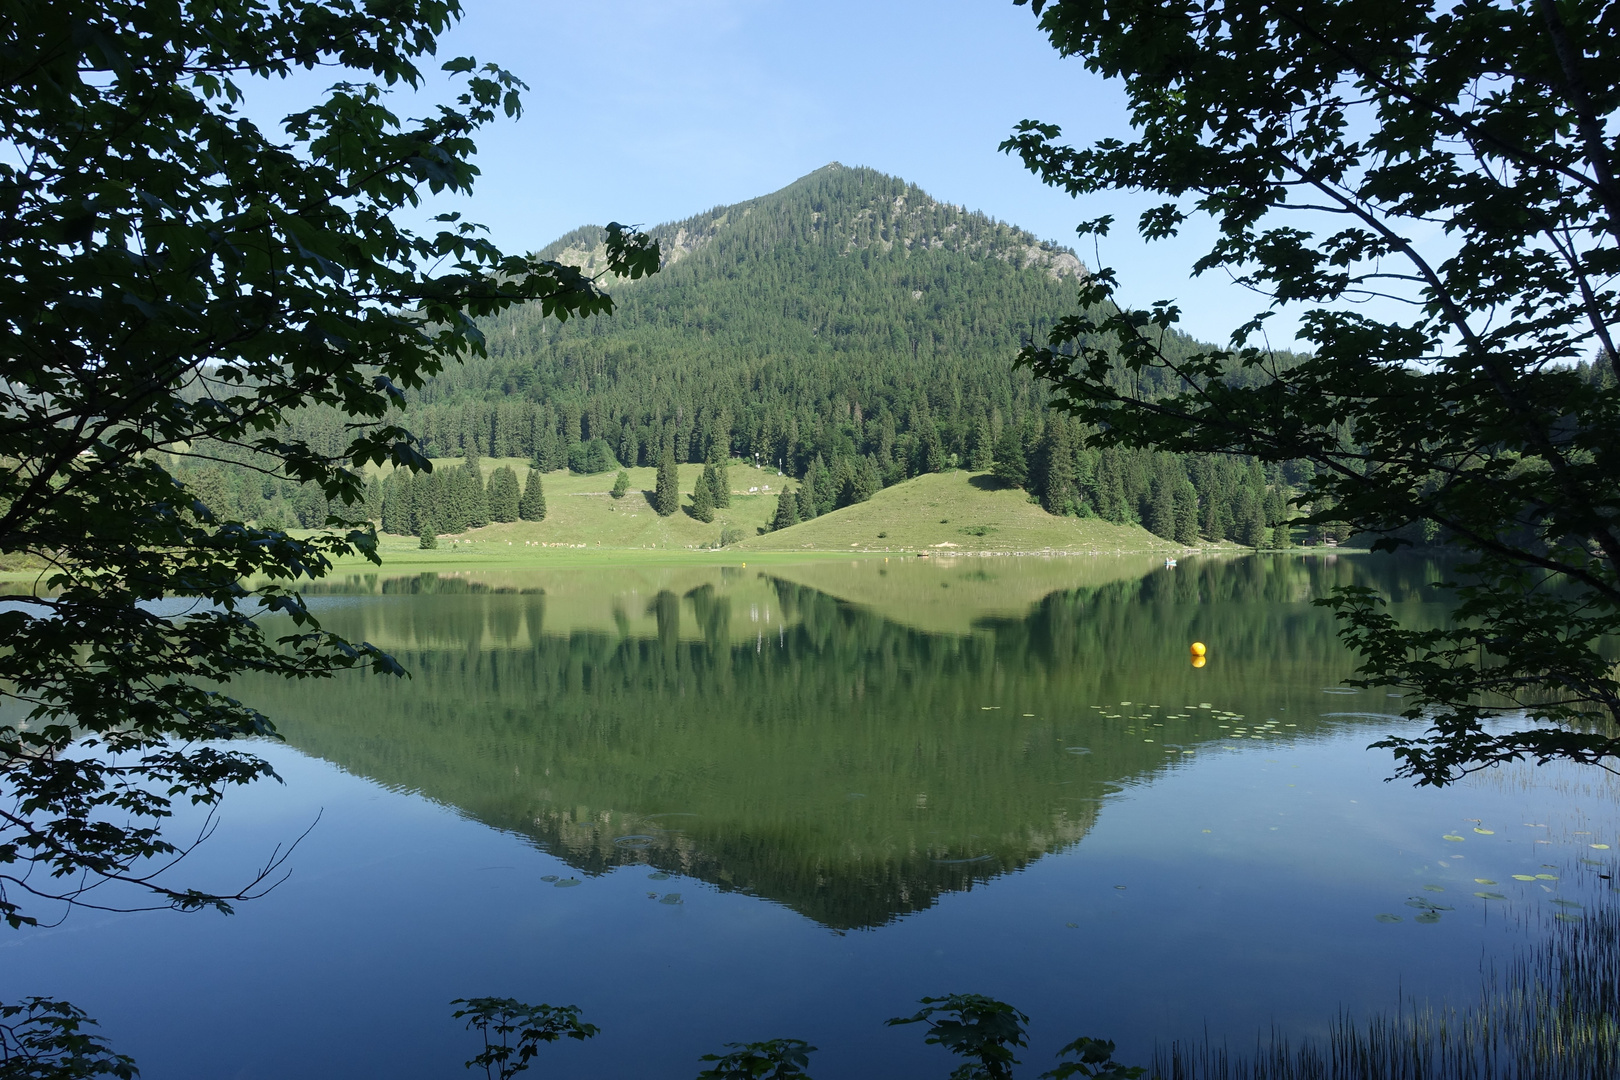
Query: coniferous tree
x,y
983,453
1186,514
1010,466
504,495
1250,520
1058,493
621,484
787,511
721,484
867,480
475,496
532,507
667,492
1161,516
703,496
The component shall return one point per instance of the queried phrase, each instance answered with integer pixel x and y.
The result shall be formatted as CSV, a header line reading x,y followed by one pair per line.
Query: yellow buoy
x,y
1198,648
1200,661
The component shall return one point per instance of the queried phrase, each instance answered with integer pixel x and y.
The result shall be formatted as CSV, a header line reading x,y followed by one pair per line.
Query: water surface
x,y
715,803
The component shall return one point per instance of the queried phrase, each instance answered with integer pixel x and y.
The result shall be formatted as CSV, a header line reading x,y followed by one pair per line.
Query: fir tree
x,y
867,481
504,495
703,496
621,484
428,536
474,495
1186,515
721,484
787,511
532,507
667,495
983,453
1058,493
1161,515
1010,466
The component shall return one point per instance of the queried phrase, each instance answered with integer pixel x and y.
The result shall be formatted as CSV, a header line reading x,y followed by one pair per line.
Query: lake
x,y
712,803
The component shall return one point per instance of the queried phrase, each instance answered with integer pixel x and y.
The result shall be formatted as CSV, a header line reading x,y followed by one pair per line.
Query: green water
x,y
848,739
723,802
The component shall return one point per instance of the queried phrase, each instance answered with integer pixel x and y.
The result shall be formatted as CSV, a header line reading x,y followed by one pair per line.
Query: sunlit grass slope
x,y
582,514
941,513
955,511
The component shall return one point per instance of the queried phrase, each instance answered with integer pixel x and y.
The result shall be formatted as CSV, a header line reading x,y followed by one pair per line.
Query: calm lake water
x,y
721,803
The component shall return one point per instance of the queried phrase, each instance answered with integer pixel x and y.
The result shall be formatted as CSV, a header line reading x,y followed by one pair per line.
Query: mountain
x,y
843,308
850,330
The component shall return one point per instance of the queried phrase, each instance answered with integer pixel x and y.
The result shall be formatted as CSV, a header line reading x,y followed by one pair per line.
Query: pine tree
x,y
428,535
983,454
504,495
721,484
1058,494
787,511
532,507
1250,524
474,495
807,490
1010,466
621,484
868,481
1186,515
667,495
703,496
1161,515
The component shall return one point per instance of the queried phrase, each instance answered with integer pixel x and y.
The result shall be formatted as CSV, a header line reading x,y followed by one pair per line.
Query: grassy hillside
x,y
952,512
580,512
942,513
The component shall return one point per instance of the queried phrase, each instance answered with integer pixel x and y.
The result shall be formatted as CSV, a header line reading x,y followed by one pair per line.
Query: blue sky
x,y
646,111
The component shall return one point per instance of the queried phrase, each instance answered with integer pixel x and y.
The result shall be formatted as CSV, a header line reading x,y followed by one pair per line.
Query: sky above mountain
x,y
649,111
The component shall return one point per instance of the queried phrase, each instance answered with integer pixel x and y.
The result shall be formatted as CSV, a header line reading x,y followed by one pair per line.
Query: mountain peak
x,y
852,209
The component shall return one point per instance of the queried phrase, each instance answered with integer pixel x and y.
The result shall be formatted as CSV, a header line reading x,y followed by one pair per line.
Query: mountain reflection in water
x,y
850,740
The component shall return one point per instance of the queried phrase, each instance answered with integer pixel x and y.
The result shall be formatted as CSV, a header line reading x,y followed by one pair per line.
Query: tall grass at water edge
x,y
1553,1015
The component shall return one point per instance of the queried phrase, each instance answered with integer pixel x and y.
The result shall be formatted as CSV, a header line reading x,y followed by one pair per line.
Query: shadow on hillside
x,y
988,482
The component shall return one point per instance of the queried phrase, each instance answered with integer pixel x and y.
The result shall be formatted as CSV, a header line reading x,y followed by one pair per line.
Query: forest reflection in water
x,y
850,739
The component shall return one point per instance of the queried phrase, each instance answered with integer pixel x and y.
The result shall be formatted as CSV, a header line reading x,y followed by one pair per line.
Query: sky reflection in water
x,y
714,803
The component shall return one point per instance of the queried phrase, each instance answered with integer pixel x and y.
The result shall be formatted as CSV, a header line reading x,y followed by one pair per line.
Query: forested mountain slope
x,y
849,319
849,330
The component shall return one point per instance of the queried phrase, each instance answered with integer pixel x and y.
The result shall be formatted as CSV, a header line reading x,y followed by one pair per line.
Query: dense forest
x,y
848,330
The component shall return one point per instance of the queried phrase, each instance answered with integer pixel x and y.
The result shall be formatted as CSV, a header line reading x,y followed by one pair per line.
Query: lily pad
x,y
567,883
1600,847
1428,917
1546,877
1483,881
1387,918
1486,832
1524,877
1453,838
1564,916
1561,902
670,898
1433,888
660,876
549,877
1490,896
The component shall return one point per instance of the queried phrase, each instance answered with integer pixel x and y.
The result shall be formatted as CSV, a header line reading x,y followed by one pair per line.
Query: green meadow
x,y
938,513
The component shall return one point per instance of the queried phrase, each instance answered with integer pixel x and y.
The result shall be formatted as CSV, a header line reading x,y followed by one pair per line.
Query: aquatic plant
x,y
1554,1014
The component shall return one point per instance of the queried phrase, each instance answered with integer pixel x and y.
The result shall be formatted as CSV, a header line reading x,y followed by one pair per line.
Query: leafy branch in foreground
x,y
498,1020
175,278
1434,186
42,1039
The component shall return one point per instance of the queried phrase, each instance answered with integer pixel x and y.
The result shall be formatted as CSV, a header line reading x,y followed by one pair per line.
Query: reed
x,y
1553,1014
